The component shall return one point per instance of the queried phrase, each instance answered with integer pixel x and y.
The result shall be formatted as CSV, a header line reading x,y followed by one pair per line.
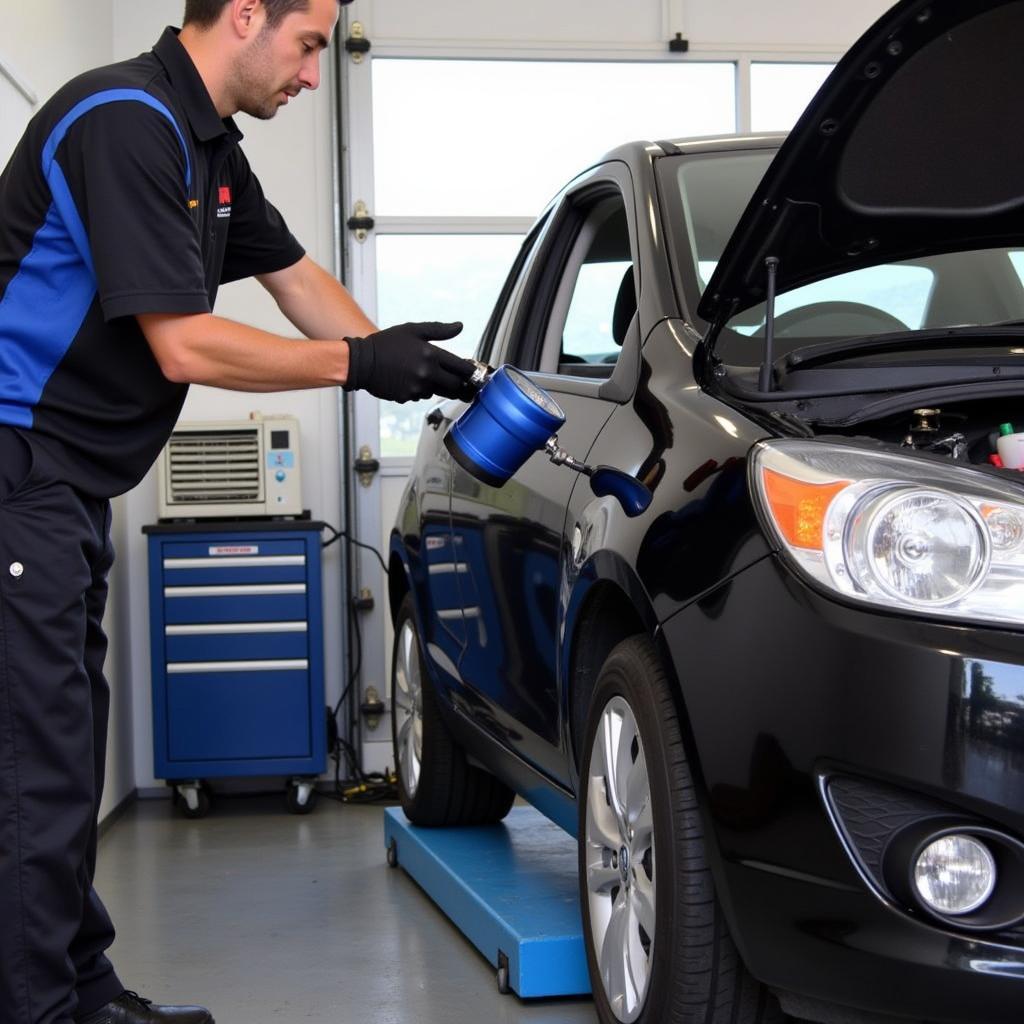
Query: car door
x,y
575,312
444,628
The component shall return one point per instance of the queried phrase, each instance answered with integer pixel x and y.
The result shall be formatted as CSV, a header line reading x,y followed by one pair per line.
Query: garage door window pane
x,y
780,92
499,138
436,277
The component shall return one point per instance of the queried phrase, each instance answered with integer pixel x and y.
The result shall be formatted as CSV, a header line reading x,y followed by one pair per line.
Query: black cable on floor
x,y
359,786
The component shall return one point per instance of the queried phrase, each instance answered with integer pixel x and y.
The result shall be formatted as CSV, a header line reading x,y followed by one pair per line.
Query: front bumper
x,y
782,689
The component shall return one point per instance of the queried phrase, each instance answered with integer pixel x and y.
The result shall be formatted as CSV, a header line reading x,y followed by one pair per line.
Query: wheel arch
x,y
399,582
608,605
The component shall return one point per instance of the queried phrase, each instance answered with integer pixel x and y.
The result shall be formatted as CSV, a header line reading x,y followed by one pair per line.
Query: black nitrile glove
x,y
399,364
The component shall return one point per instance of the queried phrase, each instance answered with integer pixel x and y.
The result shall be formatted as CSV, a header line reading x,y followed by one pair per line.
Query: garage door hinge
x,y
360,222
365,465
357,44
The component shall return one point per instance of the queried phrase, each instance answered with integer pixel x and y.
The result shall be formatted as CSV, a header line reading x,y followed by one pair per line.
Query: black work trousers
x,y
55,553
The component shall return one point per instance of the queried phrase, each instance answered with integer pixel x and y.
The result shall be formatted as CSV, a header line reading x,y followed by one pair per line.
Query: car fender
x,y
605,588
607,577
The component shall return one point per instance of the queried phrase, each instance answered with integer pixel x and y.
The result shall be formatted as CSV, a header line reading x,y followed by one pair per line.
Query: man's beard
x,y
250,81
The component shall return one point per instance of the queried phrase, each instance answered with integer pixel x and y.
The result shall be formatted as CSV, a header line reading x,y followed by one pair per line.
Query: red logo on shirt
x,y
224,195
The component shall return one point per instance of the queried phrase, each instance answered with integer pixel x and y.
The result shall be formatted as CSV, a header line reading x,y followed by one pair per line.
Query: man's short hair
x,y
204,13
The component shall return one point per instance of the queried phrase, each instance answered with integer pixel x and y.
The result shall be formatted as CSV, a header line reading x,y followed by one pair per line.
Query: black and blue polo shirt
x,y
127,194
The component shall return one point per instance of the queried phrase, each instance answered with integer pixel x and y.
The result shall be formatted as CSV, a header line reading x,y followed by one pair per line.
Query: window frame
x,y
553,343
511,291
526,330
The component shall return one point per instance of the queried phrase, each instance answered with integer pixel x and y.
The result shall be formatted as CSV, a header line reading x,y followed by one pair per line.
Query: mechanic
x,y
125,205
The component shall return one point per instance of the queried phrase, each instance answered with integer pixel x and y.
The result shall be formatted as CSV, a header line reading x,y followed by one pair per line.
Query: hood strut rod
x,y
765,379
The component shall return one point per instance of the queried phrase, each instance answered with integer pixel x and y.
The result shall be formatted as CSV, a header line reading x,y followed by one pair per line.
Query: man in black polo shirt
x,y
125,206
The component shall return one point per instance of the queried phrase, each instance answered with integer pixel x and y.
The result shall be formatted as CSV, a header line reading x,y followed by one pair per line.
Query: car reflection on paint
x,y
782,710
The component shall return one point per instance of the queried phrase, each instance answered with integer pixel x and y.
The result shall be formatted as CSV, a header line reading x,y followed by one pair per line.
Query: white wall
x,y
45,47
50,41
17,103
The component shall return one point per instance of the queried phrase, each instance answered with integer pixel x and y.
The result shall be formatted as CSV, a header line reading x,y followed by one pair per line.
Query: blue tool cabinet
x,y
237,656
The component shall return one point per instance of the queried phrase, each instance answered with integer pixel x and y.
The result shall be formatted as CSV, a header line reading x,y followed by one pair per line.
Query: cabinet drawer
x,y
238,715
256,562
233,641
250,602
231,548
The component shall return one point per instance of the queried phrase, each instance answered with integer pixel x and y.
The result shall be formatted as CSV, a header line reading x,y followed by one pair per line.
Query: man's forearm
x,y
316,302
207,349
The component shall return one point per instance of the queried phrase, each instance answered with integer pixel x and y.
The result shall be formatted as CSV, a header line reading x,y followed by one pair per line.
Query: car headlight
x,y
896,530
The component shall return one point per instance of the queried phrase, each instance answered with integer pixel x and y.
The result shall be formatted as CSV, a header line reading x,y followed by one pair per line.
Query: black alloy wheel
x,y
658,948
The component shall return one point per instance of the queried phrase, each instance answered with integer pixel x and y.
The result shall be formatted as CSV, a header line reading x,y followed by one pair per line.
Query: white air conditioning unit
x,y
232,469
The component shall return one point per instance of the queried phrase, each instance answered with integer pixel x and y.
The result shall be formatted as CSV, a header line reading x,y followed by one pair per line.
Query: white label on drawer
x,y
235,549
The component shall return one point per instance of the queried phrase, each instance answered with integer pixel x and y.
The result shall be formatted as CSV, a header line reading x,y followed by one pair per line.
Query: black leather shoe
x,y
131,1008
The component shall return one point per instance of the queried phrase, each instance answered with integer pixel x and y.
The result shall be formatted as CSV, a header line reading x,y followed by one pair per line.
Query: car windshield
x,y
954,289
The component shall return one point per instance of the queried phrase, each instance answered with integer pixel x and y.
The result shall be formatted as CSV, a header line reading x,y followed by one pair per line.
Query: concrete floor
x,y
267,917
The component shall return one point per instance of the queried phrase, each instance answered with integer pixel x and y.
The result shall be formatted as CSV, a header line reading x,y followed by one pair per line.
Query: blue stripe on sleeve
x,y
47,300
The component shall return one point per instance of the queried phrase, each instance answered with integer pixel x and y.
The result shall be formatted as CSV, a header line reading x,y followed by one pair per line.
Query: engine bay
x,y
981,433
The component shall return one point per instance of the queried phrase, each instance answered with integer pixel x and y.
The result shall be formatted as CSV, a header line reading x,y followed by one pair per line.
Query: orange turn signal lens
x,y
799,508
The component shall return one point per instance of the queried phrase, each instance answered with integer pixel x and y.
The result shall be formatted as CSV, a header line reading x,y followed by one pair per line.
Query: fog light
x,y
955,874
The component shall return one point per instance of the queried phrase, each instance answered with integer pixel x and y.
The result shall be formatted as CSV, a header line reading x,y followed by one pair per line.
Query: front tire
x,y
436,784
657,945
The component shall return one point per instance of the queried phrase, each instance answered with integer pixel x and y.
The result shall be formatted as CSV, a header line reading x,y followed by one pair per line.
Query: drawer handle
x,y
219,628
233,563
240,590
281,665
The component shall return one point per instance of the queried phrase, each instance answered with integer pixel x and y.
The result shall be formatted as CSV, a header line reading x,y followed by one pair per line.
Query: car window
x,y
595,301
705,197
945,290
589,332
899,290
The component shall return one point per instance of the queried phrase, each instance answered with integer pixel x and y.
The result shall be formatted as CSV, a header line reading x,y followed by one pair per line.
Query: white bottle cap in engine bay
x,y
1010,446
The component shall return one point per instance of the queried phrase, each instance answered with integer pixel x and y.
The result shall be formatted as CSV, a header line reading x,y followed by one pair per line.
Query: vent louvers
x,y
214,466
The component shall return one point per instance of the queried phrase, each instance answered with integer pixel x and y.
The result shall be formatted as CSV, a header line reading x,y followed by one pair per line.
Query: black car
x,y
782,709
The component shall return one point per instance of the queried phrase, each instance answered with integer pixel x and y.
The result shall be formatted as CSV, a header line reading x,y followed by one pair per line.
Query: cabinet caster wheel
x,y
502,976
301,797
194,799
393,854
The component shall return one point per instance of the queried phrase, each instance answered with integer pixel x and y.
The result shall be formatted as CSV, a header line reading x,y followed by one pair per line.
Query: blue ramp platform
x,y
511,889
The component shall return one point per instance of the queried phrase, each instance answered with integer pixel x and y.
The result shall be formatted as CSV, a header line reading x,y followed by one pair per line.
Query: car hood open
x,y
914,145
